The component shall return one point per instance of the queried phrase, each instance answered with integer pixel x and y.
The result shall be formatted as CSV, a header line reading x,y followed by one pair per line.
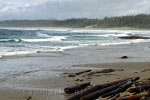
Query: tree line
x,y
132,21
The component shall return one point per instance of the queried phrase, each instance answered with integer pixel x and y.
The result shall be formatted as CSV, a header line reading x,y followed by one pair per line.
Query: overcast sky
x,y
63,9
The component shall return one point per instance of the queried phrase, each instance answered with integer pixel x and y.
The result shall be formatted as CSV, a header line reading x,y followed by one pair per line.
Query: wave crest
x,y
42,35
52,39
10,40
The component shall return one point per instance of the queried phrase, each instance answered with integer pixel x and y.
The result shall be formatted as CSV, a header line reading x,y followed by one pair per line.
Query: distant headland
x,y
140,21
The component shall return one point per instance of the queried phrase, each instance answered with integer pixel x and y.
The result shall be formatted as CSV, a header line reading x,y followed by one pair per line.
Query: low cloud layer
x,y
63,9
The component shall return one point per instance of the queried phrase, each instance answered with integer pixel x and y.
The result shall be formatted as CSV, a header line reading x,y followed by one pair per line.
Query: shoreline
x,y
71,28
39,76
133,69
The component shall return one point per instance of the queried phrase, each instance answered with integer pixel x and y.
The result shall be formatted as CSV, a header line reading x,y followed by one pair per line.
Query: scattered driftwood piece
x,y
139,89
98,87
134,97
119,69
134,37
78,73
71,75
102,71
122,88
76,88
82,72
95,95
85,92
147,79
142,83
145,70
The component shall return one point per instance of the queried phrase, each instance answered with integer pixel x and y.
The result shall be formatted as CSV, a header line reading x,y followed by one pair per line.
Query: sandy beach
x,y
48,83
130,70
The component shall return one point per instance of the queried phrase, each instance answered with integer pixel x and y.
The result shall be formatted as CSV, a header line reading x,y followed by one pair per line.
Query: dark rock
x,y
71,75
124,57
134,37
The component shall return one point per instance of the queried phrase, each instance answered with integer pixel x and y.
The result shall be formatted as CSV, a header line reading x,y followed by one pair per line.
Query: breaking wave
x,y
52,39
42,34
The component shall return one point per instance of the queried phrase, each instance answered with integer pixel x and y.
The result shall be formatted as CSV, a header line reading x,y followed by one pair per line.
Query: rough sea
x,y
28,41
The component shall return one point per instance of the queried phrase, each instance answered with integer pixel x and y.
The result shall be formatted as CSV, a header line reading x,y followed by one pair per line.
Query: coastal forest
x,y
131,21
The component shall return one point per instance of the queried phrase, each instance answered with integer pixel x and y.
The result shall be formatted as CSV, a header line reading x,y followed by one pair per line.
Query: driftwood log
x,y
142,83
95,95
122,88
76,88
78,73
139,89
134,97
102,71
83,72
99,87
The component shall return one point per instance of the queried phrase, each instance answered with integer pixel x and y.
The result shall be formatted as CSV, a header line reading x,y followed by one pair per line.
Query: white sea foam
x,y
69,47
58,48
70,42
109,35
41,49
42,35
52,39
114,43
10,40
124,42
13,53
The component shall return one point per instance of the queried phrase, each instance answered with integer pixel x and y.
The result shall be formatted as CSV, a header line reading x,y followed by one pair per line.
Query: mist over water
x,y
26,41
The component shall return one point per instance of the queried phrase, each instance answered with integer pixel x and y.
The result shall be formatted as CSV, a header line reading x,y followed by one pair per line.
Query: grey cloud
x,y
62,9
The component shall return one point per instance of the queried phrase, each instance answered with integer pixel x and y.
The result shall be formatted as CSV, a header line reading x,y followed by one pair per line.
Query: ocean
x,y
15,42
30,55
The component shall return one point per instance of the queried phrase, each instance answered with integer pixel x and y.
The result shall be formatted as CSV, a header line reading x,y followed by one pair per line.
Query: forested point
x,y
131,21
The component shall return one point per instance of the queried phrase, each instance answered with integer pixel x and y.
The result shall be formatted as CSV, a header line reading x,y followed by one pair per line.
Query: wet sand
x,y
41,84
130,70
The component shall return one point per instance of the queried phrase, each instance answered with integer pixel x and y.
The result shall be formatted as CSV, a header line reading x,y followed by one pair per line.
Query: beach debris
x,y
79,80
134,97
97,94
145,70
124,57
76,88
139,89
90,72
71,75
134,37
95,88
29,98
119,69
142,83
78,73
102,71
122,88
